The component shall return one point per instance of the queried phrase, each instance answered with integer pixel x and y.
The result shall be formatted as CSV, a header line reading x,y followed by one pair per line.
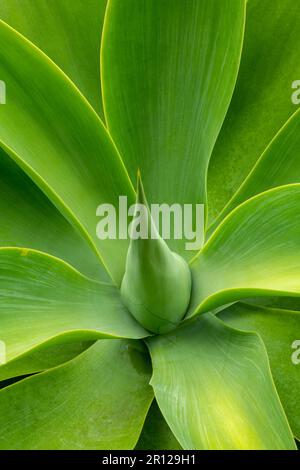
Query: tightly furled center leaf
x,y
157,283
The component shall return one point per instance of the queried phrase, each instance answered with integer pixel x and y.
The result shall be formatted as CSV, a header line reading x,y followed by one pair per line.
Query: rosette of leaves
x,y
113,344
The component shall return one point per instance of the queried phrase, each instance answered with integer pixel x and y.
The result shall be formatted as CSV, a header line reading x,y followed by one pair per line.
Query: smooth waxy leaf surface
x,y
214,387
156,434
254,252
99,400
49,129
156,286
279,329
69,32
261,102
281,303
168,73
43,299
42,358
278,165
28,219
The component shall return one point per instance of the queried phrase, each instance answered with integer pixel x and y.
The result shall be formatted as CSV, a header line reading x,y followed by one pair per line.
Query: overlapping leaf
x,y
156,434
214,387
254,252
54,135
176,63
261,102
45,300
279,329
42,358
28,219
278,165
98,400
69,32
168,73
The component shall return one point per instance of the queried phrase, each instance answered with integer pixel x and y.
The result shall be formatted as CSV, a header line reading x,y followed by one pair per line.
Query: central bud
x,y
156,286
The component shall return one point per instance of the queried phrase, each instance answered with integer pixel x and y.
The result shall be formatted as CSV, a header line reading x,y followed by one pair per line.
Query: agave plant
x,y
119,343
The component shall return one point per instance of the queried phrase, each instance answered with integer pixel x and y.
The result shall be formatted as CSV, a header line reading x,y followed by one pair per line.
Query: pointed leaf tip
x,y
157,283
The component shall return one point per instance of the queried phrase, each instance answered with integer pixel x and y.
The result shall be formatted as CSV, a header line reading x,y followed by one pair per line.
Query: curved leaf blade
x,y
41,358
168,72
28,219
52,133
156,434
99,400
277,302
43,300
261,102
254,252
279,329
214,387
75,31
278,165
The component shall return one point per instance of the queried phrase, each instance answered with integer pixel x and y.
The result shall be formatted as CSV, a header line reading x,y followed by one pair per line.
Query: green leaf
x,y
282,303
45,300
40,359
69,32
28,219
49,129
156,434
168,72
261,103
99,400
214,387
278,165
279,329
156,286
254,252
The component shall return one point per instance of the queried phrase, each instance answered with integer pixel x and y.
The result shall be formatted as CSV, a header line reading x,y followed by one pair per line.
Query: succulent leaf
x,y
214,387
28,219
156,434
68,32
89,393
278,329
58,304
61,143
194,108
253,252
278,165
157,282
261,102
42,358
168,71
